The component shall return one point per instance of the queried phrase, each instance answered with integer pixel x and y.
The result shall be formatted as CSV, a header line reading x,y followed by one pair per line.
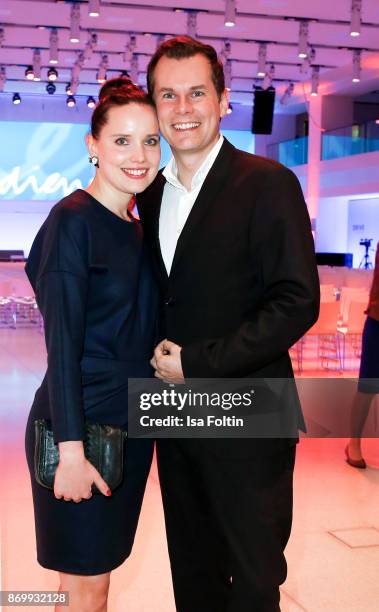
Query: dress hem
x,y
78,572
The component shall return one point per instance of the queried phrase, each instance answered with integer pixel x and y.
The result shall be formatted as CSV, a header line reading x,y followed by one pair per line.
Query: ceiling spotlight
x,y
308,61
90,46
134,69
230,109
74,86
68,89
228,75
93,8
129,48
75,23
192,24
356,66
52,74
70,101
262,56
160,40
91,102
287,94
51,88
37,64
303,39
101,76
315,80
29,73
267,81
53,46
3,77
16,98
230,13
356,16
225,51
312,55
75,72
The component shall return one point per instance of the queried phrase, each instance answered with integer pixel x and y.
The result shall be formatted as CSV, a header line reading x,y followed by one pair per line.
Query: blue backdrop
x,y
47,161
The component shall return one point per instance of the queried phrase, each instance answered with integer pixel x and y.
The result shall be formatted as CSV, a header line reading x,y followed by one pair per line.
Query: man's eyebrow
x,y
191,88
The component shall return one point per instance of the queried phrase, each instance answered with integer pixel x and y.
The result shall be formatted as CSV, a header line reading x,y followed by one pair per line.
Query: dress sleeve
x,y
61,292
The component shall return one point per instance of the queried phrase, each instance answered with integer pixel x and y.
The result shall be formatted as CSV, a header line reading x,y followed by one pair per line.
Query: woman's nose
x,y
138,153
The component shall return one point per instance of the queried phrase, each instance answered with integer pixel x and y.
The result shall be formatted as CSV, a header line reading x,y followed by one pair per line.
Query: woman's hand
x,y
75,474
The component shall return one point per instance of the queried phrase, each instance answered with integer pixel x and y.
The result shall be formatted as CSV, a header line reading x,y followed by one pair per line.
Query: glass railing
x,y
290,152
351,140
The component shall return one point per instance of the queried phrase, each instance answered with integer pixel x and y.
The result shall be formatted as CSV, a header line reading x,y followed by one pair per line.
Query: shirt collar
x,y
171,171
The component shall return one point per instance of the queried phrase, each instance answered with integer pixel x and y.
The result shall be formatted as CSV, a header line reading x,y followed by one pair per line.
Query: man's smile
x,y
186,126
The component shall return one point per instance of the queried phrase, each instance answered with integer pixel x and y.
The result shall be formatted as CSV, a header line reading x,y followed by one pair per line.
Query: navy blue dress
x,y
94,286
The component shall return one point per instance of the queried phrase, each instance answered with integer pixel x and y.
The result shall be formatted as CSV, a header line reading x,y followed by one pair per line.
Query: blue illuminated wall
x,y
42,162
47,161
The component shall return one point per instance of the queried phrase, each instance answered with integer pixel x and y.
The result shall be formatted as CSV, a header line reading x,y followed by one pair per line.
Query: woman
x,y
91,275
368,384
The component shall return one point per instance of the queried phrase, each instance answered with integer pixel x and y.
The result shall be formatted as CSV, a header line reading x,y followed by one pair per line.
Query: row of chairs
x,y
345,277
339,325
334,334
344,296
18,306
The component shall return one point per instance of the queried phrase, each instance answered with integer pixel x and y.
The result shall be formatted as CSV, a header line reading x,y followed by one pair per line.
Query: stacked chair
x,y
18,306
354,302
6,304
338,331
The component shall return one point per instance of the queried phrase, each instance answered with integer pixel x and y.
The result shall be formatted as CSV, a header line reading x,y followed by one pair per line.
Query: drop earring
x,y
93,159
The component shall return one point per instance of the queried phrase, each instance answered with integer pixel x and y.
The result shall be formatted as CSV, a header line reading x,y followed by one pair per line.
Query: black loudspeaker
x,y
263,111
335,259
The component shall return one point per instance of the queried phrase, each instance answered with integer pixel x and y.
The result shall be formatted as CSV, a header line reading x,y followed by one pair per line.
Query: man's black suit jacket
x,y
243,286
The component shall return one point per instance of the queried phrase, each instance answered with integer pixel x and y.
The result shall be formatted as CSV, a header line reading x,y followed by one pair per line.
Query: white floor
x,y
333,554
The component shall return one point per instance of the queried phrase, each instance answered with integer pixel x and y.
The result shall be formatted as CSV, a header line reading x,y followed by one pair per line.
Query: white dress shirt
x,y
177,202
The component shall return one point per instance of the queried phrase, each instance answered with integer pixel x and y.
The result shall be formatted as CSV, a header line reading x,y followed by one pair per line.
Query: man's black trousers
x,y
228,517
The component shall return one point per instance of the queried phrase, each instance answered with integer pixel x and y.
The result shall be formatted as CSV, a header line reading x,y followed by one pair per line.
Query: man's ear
x,y
224,103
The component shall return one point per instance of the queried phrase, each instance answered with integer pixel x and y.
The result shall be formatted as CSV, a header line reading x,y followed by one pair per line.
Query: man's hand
x,y
167,362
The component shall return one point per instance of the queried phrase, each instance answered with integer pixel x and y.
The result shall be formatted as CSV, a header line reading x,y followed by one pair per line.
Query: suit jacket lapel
x,y
213,184
155,202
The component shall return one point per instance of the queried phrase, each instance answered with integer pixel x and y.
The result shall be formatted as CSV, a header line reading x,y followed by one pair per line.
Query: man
x,y
234,253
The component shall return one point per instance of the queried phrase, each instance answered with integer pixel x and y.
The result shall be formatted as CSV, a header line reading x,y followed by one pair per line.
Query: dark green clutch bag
x,y
103,447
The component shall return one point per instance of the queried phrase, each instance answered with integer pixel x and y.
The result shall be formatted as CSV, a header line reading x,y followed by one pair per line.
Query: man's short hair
x,y
182,47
